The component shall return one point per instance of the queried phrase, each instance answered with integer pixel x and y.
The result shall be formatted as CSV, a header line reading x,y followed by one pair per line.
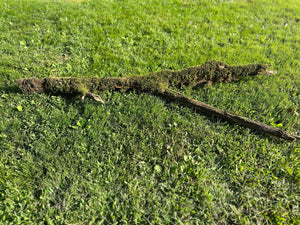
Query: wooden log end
x,y
32,85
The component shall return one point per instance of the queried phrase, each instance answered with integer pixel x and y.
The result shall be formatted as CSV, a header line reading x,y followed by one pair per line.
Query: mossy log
x,y
211,72
159,83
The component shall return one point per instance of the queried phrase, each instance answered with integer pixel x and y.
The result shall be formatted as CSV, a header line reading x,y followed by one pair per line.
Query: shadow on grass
x,y
10,89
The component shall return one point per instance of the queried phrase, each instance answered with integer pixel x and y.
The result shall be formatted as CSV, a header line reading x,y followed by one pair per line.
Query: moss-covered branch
x,y
212,71
159,83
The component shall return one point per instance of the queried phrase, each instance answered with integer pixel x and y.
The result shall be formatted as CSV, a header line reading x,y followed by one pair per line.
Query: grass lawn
x,y
139,159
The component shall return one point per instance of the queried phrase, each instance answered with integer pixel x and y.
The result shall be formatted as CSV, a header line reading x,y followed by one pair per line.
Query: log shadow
x,y
11,89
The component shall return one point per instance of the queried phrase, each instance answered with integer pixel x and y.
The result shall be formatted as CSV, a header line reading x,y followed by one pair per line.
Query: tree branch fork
x,y
160,84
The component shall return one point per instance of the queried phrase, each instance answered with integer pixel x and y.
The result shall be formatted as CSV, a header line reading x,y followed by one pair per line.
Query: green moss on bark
x,y
212,71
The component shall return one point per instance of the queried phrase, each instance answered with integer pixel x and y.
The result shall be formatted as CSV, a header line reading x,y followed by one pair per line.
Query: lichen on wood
x,y
160,84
